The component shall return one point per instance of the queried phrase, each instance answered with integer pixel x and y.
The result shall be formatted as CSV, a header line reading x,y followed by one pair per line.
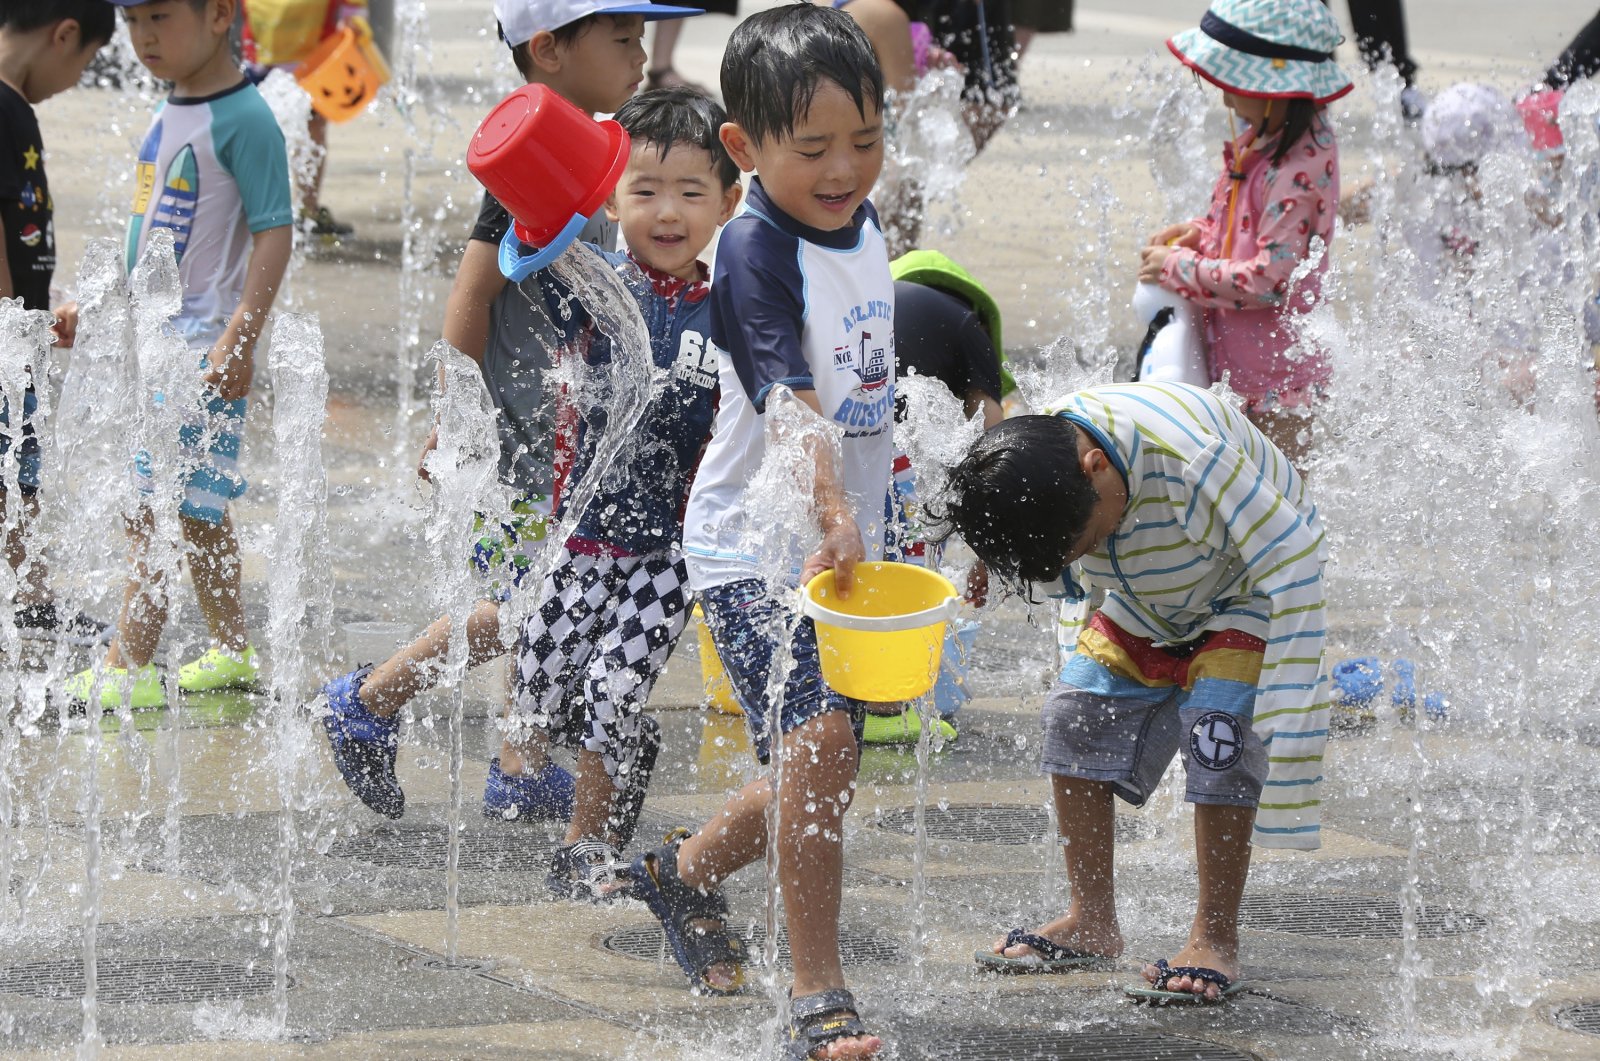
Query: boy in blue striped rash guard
x,y
1210,552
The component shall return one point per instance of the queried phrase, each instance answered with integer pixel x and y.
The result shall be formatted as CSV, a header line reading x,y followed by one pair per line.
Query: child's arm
x,y
841,548
467,312
1293,210
232,357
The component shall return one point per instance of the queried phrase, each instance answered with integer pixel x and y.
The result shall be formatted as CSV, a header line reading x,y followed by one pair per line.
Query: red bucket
x,y
546,161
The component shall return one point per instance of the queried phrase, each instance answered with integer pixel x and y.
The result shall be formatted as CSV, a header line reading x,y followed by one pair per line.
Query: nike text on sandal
x,y
819,1019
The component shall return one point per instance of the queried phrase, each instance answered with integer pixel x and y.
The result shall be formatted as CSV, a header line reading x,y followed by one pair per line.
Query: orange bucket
x,y
344,73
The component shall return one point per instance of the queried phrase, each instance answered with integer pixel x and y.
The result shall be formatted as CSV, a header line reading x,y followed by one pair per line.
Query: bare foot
x,y
1202,953
1102,940
852,1049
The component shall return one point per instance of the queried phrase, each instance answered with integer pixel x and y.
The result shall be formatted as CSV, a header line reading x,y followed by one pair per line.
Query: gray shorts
x,y
1129,741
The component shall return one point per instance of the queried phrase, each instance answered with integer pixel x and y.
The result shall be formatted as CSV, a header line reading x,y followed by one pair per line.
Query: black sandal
x,y
653,878
817,1020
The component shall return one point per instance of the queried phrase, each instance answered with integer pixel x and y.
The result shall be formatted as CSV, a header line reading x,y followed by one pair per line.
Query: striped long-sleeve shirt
x,y
1219,533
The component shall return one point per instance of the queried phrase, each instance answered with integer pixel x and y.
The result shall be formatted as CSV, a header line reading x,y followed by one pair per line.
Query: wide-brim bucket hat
x,y
1266,49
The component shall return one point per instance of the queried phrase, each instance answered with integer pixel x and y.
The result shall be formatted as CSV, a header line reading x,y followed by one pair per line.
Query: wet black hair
x,y
1019,499
96,19
564,35
774,61
667,116
1301,117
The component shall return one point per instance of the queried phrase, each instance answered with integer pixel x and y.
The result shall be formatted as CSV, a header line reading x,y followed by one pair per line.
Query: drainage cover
x,y
426,848
996,823
1350,917
855,948
147,980
1015,1044
1582,1017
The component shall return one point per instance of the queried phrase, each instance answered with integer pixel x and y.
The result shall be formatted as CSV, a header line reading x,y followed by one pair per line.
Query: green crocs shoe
x,y
146,694
219,669
903,728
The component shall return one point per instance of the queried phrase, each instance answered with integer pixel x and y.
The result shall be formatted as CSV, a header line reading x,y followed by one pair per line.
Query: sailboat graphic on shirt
x,y
176,197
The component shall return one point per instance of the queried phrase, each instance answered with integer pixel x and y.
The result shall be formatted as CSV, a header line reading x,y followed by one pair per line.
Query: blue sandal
x,y
653,878
1157,994
817,1020
1048,956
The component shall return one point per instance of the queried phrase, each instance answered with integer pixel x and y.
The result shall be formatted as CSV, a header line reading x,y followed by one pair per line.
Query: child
x,y
617,599
278,34
591,53
44,49
946,327
801,279
1278,191
1210,639
213,169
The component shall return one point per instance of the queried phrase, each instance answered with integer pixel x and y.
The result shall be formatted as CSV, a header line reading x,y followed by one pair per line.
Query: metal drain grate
x,y
1017,1044
1012,824
507,851
1350,917
139,980
647,943
1583,1017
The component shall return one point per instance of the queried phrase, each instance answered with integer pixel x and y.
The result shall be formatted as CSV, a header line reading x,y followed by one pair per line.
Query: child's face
x,y
1250,110
826,168
172,39
604,66
669,208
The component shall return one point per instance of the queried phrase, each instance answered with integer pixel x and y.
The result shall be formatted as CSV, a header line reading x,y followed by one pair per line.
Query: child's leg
x,y
1086,816
642,620
32,575
144,602
553,650
1222,849
414,668
311,186
214,567
817,782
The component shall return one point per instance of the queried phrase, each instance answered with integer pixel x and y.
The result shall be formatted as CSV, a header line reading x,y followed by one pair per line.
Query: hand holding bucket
x,y
551,166
344,73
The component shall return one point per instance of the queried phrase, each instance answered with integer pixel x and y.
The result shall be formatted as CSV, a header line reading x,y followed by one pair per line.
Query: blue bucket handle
x,y
517,267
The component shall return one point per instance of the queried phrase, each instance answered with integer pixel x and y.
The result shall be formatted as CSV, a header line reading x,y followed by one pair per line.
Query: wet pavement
x,y
1416,931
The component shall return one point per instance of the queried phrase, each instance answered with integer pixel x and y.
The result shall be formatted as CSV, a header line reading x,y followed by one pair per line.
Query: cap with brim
x,y
1266,49
521,19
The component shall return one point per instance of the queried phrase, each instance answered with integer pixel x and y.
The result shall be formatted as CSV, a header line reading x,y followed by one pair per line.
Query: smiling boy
x,y
802,299
617,599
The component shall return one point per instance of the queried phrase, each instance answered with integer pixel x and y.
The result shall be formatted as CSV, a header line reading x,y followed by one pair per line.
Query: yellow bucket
x,y
713,678
882,643
344,73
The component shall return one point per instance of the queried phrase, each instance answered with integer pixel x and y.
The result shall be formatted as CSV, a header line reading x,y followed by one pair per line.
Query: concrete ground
x,y
1443,917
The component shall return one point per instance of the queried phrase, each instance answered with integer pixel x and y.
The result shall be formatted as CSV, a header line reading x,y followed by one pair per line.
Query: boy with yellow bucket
x,y
328,46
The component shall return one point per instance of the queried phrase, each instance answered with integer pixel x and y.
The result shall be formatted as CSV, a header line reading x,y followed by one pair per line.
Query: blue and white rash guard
x,y
807,309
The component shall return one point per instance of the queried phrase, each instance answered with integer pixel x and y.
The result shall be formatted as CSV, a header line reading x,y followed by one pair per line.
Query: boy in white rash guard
x,y
801,298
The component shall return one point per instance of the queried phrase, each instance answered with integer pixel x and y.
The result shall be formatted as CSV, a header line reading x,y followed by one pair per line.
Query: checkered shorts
x,y
587,658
